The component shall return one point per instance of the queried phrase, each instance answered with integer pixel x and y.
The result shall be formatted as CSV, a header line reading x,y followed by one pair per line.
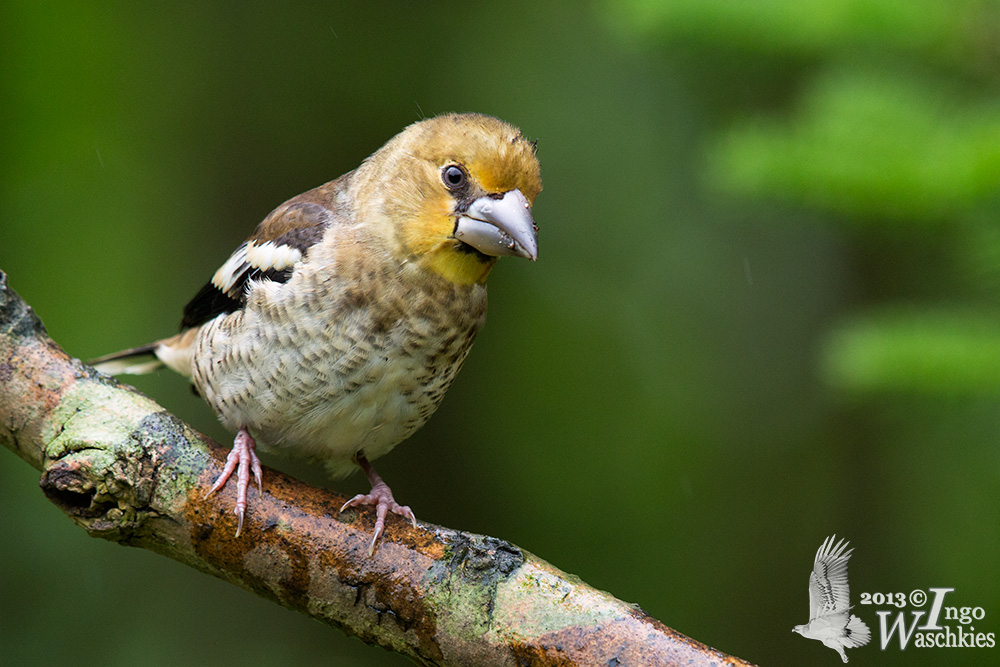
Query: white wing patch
x,y
269,256
230,272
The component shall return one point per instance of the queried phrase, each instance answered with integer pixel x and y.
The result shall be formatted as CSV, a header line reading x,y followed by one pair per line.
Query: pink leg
x,y
243,459
381,498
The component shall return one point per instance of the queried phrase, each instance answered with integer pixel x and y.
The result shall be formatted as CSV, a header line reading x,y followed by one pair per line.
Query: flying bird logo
x,y
830,617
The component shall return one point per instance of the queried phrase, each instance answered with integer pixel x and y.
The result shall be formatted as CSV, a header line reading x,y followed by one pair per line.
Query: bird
x,y
830,617
333,332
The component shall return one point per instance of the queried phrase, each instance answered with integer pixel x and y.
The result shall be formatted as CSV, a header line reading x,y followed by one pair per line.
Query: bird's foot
x,y
243,459
381,498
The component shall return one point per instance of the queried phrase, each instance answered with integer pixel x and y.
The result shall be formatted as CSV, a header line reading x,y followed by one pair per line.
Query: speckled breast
x,y
327,374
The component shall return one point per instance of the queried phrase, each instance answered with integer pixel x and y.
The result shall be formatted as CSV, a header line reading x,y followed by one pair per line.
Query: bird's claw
x,y
381,498
243,460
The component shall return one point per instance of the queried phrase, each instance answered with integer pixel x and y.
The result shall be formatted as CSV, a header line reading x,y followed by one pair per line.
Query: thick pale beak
x,y
502,226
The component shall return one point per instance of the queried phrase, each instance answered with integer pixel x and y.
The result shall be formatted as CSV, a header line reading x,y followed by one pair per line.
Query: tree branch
x,y
124,469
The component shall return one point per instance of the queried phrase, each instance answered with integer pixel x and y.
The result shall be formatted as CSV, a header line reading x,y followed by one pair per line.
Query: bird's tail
x,y
857,632
137,361
175,353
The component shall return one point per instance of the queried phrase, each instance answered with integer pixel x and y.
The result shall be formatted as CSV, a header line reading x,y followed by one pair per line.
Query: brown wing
x,y
272,252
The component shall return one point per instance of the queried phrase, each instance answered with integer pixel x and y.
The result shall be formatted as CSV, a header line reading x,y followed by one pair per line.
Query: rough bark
x,y
125,469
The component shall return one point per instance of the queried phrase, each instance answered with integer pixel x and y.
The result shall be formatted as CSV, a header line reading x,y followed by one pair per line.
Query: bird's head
x,y
801,629
455,193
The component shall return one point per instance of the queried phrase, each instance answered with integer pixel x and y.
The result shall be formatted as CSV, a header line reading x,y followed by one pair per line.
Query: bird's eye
x,y
453,176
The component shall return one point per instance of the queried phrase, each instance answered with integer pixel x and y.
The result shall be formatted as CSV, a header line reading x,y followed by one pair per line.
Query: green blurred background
x,y
765,310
